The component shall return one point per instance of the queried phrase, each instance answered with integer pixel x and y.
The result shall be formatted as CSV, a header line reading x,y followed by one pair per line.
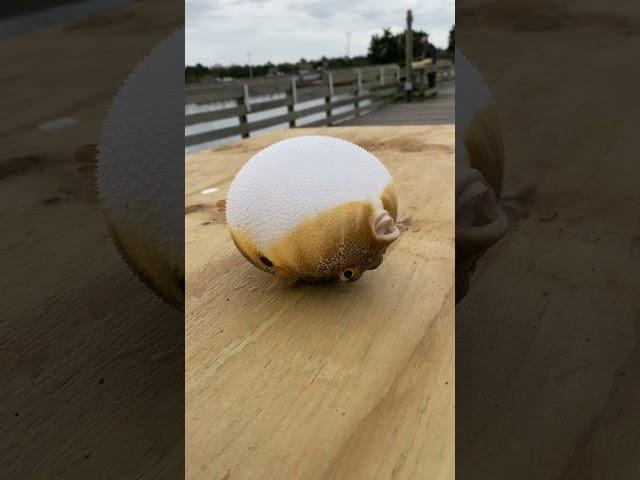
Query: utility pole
x,y
249,62
348,44
408,48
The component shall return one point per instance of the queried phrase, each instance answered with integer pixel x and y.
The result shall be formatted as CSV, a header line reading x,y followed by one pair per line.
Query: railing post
x,y
382,76
327,100
244,101
294,99
356,103
408,56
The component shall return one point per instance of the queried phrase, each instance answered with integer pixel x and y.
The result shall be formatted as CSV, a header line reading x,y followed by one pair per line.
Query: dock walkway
x,y
440,110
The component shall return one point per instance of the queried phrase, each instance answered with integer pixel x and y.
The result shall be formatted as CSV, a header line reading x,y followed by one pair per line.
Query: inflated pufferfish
x,y
313,208
135,166
480,163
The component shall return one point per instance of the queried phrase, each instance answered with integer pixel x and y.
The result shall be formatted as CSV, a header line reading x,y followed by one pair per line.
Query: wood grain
x,y
91,360
548,338
333,380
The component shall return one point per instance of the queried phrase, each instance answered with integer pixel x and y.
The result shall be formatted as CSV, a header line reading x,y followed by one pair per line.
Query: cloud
x,y
225,31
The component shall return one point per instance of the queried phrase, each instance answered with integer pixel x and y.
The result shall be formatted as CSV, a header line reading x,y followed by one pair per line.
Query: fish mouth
x,y
480,222
383,226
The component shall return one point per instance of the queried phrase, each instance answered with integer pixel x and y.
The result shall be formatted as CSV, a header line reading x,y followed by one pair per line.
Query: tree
x,y
385,48
193,74
389,48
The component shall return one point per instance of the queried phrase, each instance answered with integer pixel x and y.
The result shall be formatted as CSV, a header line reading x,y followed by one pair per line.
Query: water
x,y
253,117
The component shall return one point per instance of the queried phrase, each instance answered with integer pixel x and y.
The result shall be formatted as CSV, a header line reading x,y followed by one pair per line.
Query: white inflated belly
x,y
294,179
141,151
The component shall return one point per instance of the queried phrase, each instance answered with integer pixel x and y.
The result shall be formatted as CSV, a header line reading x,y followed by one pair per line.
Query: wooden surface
x,y
378,97
440,110
324,381
548,338
92,360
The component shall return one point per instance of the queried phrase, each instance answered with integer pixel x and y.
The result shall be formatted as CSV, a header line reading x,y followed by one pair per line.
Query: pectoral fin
x,y
480,222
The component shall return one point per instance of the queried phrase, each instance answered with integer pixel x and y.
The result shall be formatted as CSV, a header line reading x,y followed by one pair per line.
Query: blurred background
x,y
344,53
278,36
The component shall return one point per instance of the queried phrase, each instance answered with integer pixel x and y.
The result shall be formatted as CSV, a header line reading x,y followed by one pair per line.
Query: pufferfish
x,y
480,162
134,168
313,208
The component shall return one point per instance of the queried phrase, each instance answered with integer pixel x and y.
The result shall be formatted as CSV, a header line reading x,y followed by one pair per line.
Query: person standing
x,y
431,52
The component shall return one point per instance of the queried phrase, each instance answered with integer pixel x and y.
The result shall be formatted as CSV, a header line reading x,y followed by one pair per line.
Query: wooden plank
x,y
312,110
280,85
212,94
206,94
242,117
369,85
312,93
248,127
377,89
550,330
270,122
327,99
270,104
324,381
341,77
291,103
330,119
351,89
371,74
91,359
380,101
439,111
386,94
324,107
204,117
209,136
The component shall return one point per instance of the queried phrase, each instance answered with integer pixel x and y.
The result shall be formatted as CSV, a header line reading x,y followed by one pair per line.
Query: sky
x,y
232,31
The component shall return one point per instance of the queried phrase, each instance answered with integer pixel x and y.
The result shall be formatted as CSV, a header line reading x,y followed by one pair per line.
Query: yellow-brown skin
x,y
324,246
485,148
159,269
153,266
486,154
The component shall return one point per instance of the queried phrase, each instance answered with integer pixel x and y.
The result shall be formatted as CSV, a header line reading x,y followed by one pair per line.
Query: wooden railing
x,y
378,84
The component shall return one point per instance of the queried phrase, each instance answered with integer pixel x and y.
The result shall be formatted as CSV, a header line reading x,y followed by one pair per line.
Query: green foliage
x,y
386,48
192,74
390,48
383,48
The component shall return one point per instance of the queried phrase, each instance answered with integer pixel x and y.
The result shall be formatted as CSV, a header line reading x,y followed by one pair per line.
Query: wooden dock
x,y
332,380
355,91
440,110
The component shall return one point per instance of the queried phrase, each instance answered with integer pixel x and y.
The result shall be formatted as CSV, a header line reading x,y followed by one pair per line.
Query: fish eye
x,y
346,275
266,261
